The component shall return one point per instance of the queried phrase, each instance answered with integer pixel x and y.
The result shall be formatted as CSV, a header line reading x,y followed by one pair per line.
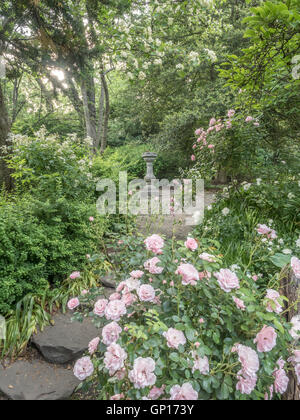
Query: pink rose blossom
x,y
193,158
83,368
212,122
184,392
91,219
201,321
93,345
230,113
146,293
130,192
84,292
155,392
227,280
110,333
115,310
248,359
263,230
295,263
211,146
254,278
198,131
271,390
115,296
73,303
281,381
239,303
189,274
200,363
151,266
171,283
114,358
131,284
174,338
117,397
246,383
191,244
100,306
137,274
121,374
207,257
294,331
273,296
120,242
295,358
142,374
266,339
129,298
194,146
75,275
155,244
248,119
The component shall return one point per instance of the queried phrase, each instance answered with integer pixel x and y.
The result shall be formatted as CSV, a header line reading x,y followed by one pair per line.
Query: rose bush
x,y
193,329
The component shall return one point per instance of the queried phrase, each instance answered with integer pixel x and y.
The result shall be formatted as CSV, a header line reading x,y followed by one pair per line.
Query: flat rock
x,y
109,280
66,340
37,380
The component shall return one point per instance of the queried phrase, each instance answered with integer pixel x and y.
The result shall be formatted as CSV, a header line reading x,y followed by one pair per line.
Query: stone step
x,y
37,380
66,340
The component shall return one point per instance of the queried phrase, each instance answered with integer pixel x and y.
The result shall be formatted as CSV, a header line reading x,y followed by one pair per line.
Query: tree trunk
x,y
88,96
221,177
290,287
100,117
5,173
106,114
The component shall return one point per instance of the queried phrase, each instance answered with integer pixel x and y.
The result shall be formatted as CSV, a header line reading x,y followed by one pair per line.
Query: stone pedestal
x,y
149,158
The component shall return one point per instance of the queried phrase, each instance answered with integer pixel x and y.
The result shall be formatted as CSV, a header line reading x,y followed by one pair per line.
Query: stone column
x,y
149,158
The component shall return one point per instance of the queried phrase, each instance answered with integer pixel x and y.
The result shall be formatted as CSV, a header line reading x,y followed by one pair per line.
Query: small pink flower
x,y
83,368
189,274
227,280
171,283
273,296
120,242
117,397
295,358
211,146
194,146
174,338
100,306
263,230
75,275
201,321
155,244
129,298
93,345
281,381
212,122
254,278
248,119
84,292
248,358
142,374
115,296
91,219
146,293
246,383
155,392
295,264
191,244
114,358
73,303
239,303
266,339
193,158
110,333
230,113
198,131
150,265
201,364
115,310
88,257
130,192
184,392
207,257
197,344
137,274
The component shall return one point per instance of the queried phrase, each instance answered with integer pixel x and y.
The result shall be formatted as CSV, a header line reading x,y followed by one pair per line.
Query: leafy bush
x,y
184,324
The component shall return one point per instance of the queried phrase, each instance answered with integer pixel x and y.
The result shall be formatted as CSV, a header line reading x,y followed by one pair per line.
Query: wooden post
x,y
290,287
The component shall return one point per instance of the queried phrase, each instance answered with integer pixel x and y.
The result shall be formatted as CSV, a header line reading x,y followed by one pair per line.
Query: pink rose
x,y
211,146
248,358
117,397
136,274
115,310
212,122
115,296
272,295
248,119
174,338
73,303
110,333
114,358
100,306
146,293
295,263
155,392
271,389
84,292
200,363
155,244
91,219
230,113
83,368
239,303
266,339
227,280
184,392
129,298
198,131
263,229
193,158
142,374
294,331
191,244
150,265
207,257
131,284
295,358
75,275
189,274
281,381
246,383
93,345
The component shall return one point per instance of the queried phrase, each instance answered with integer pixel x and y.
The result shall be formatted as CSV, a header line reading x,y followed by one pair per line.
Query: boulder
x,y
37,380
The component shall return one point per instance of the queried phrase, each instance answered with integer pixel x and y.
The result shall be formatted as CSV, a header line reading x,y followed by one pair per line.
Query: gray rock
x,y
65,341
37,380
109,280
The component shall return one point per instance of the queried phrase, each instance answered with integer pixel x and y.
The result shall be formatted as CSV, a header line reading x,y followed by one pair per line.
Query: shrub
x,y
189,327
